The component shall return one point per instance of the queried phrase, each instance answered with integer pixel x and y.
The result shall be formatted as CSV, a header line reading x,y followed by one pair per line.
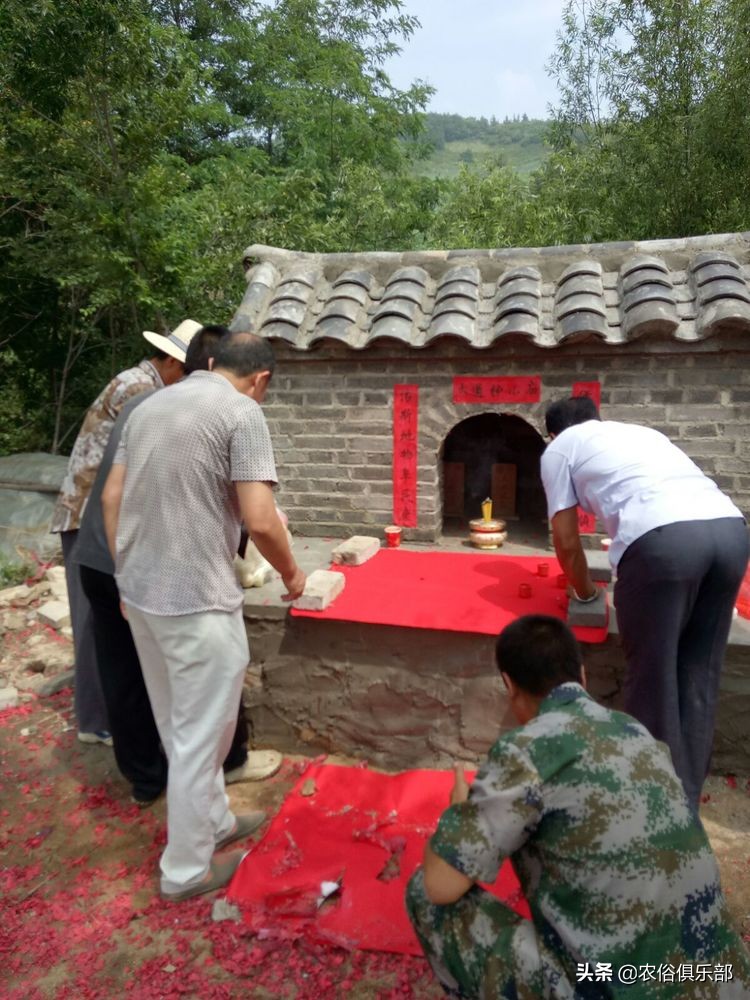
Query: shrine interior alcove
x,y
494,455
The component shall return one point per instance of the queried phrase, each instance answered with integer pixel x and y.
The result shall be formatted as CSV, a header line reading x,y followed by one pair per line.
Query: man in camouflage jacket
x,y
620,878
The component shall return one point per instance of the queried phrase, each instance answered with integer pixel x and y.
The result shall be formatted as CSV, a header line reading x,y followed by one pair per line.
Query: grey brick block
x,y
712,378
356,550
674,396
700,430
699,413
377,443
321,588
592,615
347,397
638,380
637,414
700,396
599,566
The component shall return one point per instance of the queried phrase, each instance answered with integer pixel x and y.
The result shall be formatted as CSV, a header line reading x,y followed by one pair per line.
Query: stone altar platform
x,y
403,697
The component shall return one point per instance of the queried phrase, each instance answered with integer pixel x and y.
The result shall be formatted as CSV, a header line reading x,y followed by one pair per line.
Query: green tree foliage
x,y
638,81
145,144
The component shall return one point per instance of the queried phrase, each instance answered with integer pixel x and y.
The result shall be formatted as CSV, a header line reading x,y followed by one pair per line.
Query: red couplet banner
x,y
591,389
586,522
503,389
405,429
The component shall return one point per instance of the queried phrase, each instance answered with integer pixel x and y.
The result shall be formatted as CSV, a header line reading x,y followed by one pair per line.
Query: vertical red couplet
x,y
405,426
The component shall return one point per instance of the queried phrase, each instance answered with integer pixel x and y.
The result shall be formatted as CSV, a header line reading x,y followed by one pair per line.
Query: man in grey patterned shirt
x,y
194,461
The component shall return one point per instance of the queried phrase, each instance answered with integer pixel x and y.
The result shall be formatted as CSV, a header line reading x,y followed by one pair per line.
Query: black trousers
x,y
675,594
137,747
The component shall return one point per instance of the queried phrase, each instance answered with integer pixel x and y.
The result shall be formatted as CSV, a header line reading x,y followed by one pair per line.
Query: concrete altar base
x,y
403,697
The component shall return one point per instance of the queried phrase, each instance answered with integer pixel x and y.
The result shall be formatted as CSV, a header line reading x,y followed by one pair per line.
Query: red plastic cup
x,y
393,536
562,581
524,590
542,569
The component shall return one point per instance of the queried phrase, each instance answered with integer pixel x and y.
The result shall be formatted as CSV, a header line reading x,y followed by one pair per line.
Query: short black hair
x,y
564,413
538,652
244,354
159,355
203,346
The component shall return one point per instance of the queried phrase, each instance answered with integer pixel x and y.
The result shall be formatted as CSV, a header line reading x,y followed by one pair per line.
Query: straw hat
x,y
175,344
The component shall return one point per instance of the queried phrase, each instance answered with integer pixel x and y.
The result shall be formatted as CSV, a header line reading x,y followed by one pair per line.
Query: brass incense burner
x,y
486,532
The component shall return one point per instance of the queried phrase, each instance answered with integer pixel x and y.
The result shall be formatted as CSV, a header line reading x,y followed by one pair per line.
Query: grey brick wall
x,y
330,415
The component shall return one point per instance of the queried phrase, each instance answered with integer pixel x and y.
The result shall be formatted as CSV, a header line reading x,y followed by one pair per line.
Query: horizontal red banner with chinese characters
x,y
405,422
500,389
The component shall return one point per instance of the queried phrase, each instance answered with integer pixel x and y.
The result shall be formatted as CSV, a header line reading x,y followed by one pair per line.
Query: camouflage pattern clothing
x,y
616,869
92,440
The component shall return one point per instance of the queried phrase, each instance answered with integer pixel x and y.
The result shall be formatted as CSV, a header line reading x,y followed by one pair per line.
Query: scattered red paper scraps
x,y
371,825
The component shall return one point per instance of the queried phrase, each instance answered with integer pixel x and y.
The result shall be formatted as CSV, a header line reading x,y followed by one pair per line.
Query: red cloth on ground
x,y
360,827
449,591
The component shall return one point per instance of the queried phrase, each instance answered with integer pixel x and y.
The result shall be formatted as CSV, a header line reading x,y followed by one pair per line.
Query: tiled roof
x,y
615,292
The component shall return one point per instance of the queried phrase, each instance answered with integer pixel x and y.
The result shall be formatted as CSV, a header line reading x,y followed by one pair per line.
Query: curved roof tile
x,y
688,289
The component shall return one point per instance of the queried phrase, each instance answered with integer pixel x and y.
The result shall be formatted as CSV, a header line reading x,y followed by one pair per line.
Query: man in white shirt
x,y
680,550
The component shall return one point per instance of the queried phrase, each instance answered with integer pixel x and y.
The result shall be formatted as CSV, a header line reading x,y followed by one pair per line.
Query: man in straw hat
x,y
137,745
163,366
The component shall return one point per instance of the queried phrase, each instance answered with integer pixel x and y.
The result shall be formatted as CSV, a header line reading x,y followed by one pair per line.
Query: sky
x,y
484,57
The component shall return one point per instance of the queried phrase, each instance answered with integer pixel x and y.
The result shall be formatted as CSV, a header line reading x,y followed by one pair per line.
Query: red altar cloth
x,y
449,591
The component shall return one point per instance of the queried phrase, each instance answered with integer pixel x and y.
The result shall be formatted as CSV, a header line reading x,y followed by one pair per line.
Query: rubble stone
x,y
55,684
55,613
13,594
55,574
13,621
50,658
8,697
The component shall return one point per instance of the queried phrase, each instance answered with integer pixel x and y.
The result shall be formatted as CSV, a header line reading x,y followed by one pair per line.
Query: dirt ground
x,y
79,914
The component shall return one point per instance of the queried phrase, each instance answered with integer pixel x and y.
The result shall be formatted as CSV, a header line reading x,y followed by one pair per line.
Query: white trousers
x,y
194,667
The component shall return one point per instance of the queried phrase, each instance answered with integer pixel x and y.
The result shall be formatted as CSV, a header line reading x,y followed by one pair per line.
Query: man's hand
x,y
124,610
582,598
460,791
569,551
295,585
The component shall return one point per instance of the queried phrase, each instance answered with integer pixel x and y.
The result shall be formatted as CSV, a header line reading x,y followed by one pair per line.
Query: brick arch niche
x,y
494,455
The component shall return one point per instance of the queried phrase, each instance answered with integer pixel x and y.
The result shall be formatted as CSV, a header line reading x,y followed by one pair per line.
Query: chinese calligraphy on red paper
x,y
405,423
501,389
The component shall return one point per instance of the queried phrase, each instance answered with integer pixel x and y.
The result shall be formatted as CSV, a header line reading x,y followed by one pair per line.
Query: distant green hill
x,y
456,141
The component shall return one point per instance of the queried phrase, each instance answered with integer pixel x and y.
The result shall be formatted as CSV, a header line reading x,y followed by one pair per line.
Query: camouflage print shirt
x,y
92,440
615,867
